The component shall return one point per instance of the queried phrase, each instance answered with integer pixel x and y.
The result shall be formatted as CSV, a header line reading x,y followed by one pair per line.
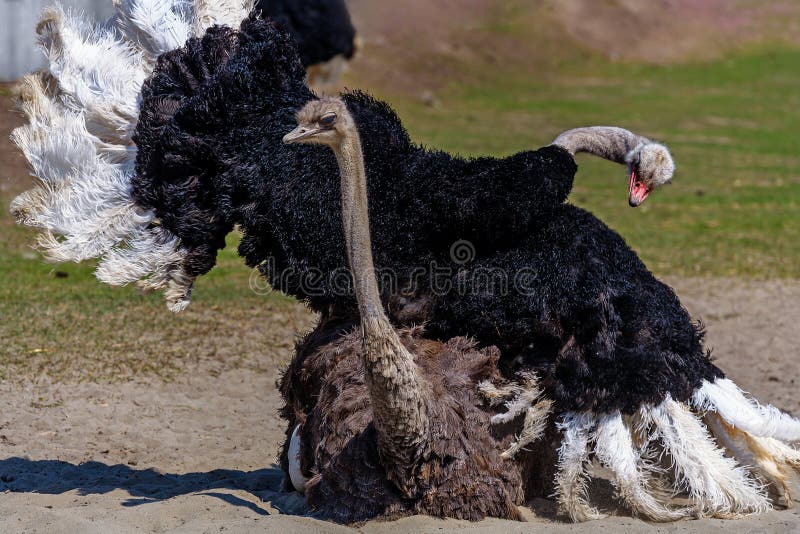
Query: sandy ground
x,y
197,455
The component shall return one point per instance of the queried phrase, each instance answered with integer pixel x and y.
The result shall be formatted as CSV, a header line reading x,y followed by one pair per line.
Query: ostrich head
x,y
321,122
650,166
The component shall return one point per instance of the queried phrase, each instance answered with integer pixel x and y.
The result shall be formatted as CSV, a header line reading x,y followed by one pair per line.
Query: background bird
x,y
325,36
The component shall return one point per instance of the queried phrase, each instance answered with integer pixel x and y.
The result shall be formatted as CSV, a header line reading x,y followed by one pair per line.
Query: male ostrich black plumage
x,y
606,337
589,299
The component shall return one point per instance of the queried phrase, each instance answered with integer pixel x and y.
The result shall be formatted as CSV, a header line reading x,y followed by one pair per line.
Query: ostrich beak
x,y
638,191
299,134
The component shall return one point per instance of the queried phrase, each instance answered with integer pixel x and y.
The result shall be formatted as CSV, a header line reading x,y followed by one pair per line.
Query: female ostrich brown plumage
x,y
396,426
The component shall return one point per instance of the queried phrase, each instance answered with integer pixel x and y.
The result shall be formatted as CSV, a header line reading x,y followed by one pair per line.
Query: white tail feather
x,y
223,12
157,26
773,460
781,451
83,196
614,448
714,482
573,456
98,75
81,116
718,485
725,398
521,397
55,140
533,427
149,253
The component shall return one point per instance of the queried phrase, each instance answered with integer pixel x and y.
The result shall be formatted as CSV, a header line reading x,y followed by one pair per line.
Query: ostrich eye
x,y
328,119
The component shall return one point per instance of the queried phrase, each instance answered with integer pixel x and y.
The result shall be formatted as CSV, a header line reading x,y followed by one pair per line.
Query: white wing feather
x,y
81,115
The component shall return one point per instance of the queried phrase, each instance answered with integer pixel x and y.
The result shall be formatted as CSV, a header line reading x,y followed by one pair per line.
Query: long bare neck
x,y
395,388
608,142
355,216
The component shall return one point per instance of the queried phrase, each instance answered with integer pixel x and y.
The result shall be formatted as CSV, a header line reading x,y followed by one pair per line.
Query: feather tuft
x,y
81,114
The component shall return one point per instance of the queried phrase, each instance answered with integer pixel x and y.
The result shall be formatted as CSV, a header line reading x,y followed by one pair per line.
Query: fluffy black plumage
x,y
322,29
603,332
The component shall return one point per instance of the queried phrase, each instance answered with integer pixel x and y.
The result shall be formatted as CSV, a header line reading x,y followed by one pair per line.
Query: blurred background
x,y
18,52
717,80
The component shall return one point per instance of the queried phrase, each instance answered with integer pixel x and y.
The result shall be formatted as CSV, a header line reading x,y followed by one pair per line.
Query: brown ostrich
x,y
386,423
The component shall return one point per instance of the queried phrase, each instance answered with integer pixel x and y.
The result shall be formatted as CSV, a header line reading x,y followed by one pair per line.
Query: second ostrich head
x,y
650,166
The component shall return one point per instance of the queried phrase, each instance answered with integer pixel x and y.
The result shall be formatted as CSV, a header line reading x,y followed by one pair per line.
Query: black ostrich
x,y
322,29
614,347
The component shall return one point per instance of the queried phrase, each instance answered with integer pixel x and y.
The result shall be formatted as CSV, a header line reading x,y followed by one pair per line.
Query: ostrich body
x,y
332,451
201,183
151,184
435,451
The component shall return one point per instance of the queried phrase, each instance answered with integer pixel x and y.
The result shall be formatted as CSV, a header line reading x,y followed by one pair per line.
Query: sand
x,y
198,454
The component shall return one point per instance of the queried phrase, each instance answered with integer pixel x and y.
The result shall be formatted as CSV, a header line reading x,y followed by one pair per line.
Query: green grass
x,y
733,126
60,321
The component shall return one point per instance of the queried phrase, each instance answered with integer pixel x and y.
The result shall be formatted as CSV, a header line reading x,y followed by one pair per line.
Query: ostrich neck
x,y
395,388
355,216
608,142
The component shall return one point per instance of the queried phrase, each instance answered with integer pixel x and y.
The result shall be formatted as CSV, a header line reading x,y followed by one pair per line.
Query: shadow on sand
x,y
21,475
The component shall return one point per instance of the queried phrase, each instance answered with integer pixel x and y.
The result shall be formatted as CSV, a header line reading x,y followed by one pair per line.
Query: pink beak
x,y
638,191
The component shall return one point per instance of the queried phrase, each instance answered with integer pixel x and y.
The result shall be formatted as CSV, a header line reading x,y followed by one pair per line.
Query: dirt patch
x,y
676,30
197,455
417,47
136,340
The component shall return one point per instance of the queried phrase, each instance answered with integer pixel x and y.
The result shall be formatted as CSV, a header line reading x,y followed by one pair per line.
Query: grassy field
x,y
732,211
733,127
60,322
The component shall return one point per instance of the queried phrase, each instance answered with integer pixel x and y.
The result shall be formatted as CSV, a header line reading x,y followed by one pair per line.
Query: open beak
x,y
638,191
300,133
